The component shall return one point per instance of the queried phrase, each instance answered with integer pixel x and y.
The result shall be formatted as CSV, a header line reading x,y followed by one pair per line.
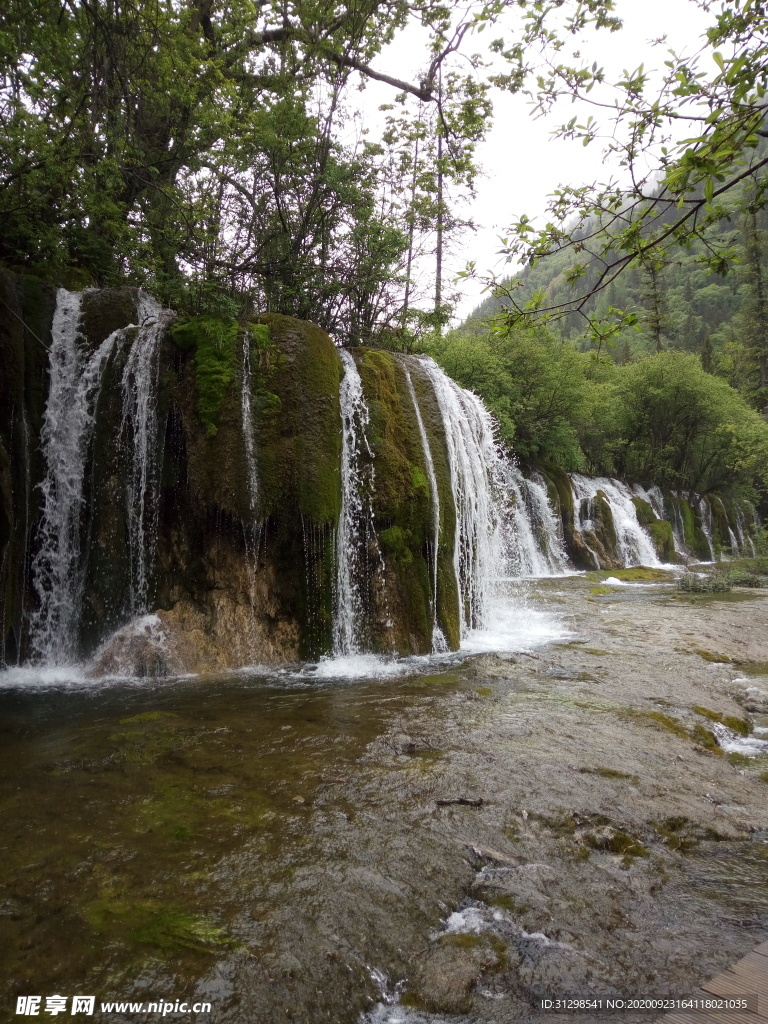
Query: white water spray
x,y
355,535
57,570
537,534
139,425
249,438
705,514
480,483
633,544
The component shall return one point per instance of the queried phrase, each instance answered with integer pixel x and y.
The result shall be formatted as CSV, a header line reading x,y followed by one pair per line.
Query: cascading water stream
x,y
479,481
68,422
633,544
252,529
705,514
27,524
438,638
537,534
355,535
249,438
655,498
744,537
735,542
139,425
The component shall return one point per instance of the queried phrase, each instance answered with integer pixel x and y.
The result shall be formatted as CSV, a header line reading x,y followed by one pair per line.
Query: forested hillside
x,y
676,395
680,305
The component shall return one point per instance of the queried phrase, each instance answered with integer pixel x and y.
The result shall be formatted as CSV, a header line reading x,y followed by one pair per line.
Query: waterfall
x,y
252,530
438,639
653,496
249,440
355,535
537,534
68,421
633,544
27,524
734,542
744,536
678,530
479,481
139,389
705,514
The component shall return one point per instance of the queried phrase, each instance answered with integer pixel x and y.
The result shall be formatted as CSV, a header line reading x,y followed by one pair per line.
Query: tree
x,y
756,314
174,143
672,191
656,318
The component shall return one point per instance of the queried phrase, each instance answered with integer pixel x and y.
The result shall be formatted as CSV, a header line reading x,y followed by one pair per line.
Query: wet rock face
x,y
141,648
235,547
26,314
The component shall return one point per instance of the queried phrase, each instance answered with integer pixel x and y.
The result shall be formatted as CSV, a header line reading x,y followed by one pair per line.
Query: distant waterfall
x,y
705,513
479,480
633,543
355,535
68,422
139,425
438,639
537,535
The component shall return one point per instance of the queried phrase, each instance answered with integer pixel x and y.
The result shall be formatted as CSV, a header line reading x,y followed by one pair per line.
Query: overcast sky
x,y
520,160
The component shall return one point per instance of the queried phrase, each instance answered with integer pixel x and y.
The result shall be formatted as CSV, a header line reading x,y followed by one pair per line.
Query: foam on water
x,y
36,677
511,629
729,741
512,626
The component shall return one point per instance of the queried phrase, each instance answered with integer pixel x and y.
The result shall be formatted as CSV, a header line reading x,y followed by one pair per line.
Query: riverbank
x,y
509,828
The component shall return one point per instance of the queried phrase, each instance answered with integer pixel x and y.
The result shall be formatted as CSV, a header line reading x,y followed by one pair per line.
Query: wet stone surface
x,y
504,829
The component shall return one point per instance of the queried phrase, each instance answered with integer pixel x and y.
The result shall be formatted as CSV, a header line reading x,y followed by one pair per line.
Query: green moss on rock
x,y
448,611
297,377
214,343
663,540
402,505
645,514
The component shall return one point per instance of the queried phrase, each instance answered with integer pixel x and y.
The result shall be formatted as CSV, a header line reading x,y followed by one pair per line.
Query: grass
x,y
718,659
738,725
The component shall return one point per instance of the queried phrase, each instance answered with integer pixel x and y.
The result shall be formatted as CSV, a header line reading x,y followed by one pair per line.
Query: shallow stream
x,y
466,837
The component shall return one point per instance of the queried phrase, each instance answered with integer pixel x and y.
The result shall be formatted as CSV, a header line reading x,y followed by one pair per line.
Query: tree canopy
x,y
171,143
206,147
687,152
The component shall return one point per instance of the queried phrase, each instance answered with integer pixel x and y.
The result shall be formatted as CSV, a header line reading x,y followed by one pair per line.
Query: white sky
x,y
522,164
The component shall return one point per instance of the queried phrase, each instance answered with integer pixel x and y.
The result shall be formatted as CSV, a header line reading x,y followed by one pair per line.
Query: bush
x,y
535,385
685,429
662,419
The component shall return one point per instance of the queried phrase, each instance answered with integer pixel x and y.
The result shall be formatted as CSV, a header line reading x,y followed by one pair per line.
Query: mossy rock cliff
x,y
26,315
403,513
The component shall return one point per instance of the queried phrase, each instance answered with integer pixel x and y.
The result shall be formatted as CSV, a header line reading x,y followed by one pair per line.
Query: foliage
x,y
690,148
662,419
214,344
199,146
683,428
533,383
720,582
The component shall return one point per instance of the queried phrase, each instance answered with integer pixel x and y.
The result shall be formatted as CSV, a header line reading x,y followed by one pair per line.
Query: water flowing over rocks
x,y
444,848
272,498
